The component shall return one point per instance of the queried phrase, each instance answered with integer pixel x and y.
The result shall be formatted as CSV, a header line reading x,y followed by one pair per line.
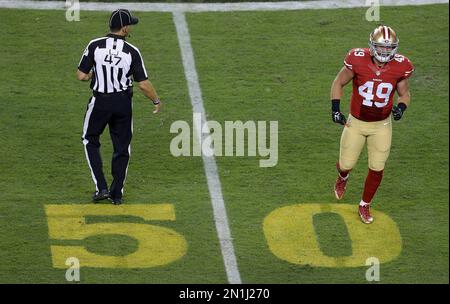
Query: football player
x,y
377,73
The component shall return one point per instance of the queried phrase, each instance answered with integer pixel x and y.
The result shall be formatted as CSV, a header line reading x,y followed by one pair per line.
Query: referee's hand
x,y
149,91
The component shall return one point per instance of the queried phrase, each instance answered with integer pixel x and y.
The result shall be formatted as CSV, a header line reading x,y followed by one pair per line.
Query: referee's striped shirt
x,y
114,62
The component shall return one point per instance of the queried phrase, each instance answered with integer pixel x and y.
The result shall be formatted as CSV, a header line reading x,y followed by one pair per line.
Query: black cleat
x,y
100,195
116,201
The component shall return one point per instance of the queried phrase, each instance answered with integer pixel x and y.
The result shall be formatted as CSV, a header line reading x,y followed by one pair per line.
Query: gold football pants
x,y
377,134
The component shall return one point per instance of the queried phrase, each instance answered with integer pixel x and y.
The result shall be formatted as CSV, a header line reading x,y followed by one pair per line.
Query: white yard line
x,y
209,162
210,7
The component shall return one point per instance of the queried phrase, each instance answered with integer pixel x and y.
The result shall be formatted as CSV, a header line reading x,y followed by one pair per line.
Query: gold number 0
x,y
291,237
157,245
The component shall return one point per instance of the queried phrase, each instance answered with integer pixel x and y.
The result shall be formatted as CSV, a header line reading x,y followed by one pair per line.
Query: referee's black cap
x,y
120,18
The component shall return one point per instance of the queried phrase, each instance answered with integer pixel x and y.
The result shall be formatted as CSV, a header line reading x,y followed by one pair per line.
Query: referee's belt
x,y
128,92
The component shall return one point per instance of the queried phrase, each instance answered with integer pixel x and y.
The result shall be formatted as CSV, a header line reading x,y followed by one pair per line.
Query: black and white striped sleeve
x,y
87,59
137,66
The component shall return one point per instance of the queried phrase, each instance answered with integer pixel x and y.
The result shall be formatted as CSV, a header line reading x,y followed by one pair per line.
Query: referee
x,y
112,64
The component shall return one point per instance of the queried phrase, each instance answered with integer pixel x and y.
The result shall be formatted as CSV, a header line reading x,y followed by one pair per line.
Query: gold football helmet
x,y
383,43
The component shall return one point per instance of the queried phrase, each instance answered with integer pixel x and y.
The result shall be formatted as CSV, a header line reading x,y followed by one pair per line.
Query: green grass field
x,y
252,66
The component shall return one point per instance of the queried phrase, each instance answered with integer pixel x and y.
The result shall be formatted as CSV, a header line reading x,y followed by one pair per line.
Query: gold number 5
x,y
157,245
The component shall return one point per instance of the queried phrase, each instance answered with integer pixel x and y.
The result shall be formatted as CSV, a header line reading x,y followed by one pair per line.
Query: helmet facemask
x,y
383,43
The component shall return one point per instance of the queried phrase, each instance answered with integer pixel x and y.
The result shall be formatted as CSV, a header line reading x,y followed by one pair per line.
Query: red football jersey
x,y
374,87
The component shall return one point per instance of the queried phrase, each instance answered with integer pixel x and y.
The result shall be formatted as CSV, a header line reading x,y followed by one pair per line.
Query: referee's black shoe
x,y
116,201
100,195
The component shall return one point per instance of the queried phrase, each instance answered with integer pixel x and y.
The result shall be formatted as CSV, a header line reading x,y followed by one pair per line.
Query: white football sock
x,y
363,203
344,178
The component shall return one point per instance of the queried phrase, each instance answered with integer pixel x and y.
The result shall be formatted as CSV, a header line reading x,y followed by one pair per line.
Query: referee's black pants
x,y
114,110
